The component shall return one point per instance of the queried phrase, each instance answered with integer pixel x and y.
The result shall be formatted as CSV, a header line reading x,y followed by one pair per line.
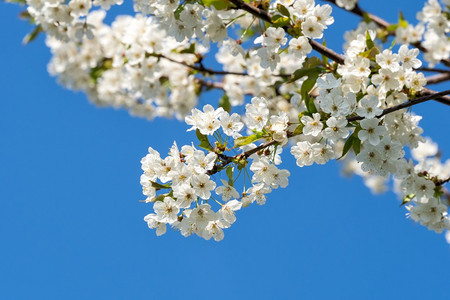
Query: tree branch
x,y
442,99
226,160
210,84
405,104
442,182
436,70
200,68
264,15
438,78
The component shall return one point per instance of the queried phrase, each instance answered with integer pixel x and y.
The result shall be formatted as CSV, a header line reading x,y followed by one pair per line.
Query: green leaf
x,y
25,15
301,114
283,10
305,72
392,45
98,71
218,4
367,18
229,172
32,35
392,27
204,142
438,192
307,85
407,198
178,11
245,140
401,21
159,198
371,53
324,58
159,186
190,50
309,103
224,102
311,62
369,42
347,146
246,34
298,130
280,21
21,2
356,145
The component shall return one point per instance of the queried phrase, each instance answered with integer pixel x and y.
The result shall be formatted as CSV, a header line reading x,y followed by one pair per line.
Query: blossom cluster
x,y
121,66
187,173
153,64
431,32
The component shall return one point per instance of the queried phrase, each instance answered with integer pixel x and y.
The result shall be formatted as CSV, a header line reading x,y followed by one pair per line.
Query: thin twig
x,y
201,68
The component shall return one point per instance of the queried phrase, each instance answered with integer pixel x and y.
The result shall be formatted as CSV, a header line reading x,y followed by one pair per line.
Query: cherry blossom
x,y
276,92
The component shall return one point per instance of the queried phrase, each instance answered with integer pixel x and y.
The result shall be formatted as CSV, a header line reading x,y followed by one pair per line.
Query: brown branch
x,y
442,182
210,84
266,16
405,104
340,59
257,12
438,78
435,70
442,99
384,24
226,160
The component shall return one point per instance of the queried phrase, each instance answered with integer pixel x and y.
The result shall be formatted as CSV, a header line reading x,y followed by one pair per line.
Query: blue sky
x,y
71,226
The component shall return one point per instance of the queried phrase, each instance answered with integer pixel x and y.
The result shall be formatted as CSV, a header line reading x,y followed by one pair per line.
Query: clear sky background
x,y
71,226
